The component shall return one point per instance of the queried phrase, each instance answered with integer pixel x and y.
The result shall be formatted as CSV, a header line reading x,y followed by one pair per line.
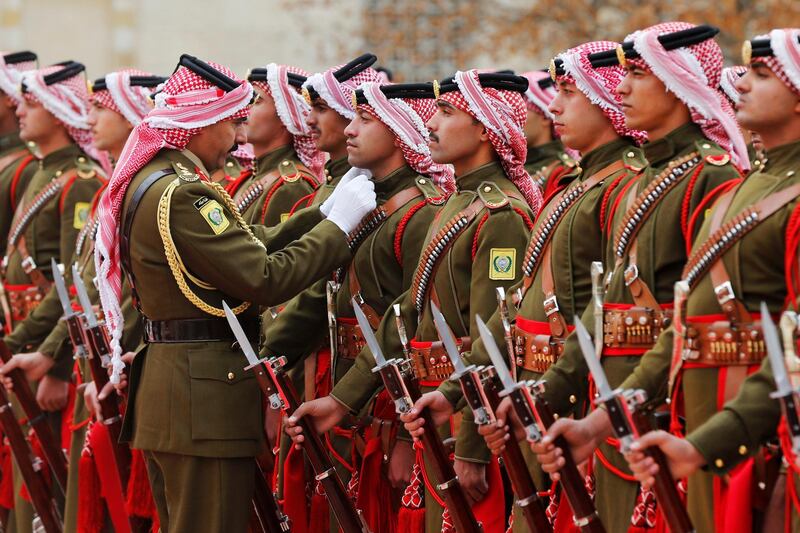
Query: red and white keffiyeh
x,y
407,118
186,104
132,102
245,155
598,84
727,82
785,62
339,95
11,76
504,114
538,98
292,110
68,101
692,74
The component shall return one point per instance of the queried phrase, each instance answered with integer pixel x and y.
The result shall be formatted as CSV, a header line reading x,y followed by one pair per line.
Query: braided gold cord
x,y
237,216
179,271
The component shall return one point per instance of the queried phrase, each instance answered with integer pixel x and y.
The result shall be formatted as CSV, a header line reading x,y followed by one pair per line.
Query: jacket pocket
x,y
225,400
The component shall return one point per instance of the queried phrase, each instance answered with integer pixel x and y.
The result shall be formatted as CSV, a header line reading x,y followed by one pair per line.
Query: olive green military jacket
x,y
52,234
546,161
485,255
13,154
193,398
384,264
272,204
578,240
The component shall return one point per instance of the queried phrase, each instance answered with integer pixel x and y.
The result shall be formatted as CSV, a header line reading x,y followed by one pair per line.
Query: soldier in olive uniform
x,y
569,230
185,248
288,164
467,261
725,290
388,244
547,160
651,221
16,159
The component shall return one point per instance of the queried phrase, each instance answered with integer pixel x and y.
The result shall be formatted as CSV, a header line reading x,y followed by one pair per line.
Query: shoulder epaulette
x,y
85,167
428,188
492,197
567,160
634,159
185,175
712,153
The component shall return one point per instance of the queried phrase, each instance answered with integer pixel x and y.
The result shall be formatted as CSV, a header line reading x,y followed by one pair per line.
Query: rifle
x,y
331,289
269,516
536,416
279,390
71,317
629,423
477,397
783,366
37,419
404,390
30,468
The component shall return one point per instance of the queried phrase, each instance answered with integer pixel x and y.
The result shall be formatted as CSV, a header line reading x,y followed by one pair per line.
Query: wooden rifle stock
x,y
269,515
38,421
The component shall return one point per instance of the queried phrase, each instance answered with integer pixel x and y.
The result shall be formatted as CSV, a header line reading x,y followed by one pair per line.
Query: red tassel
x,y
295,500
6,478
139,498
90,503
319,521
36,449
411,518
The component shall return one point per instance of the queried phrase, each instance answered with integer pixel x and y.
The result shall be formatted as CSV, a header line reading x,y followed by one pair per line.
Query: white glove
x,y
347,178
356,200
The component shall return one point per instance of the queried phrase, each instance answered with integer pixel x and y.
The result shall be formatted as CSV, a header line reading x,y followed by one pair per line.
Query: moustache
x,y
433,137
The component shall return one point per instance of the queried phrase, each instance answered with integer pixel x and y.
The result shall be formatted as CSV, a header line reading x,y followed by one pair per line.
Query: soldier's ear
x,y
484,134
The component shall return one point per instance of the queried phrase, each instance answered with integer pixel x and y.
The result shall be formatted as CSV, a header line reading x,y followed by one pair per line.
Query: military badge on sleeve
x,y
501,263
213,214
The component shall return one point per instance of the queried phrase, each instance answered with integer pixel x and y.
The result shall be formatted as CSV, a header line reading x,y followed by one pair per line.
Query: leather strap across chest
x,y
244,198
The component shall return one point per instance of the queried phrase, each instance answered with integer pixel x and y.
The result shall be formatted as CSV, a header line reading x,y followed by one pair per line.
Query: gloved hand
x,y
347,178
355,200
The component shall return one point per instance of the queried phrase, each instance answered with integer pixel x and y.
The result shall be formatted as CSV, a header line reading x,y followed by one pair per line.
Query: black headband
x,y
670,41
400,90
70,69
494,80
260,74
208,73
758,48
19,57
135,81
346,72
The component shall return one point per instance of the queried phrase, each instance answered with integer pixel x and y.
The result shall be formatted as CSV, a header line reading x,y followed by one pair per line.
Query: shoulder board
x,y
428,188
567,160
712,153
291,171
85,167
634,159
185,175
491,196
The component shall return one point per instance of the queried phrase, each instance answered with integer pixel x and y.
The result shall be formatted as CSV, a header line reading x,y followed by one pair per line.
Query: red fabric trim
x,y
536,327
296,205
477,233
401,228
550,195
16,178
525,218
22,287
687,199
619,198
110,483
625,307
234,185
710,198
791,258
64,192
277,185
347,320
611,468
607,198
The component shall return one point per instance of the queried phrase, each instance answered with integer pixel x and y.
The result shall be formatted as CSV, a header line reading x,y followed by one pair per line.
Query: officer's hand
x,y
52,393
472,478
35,365
324,412
682,457
121,387
347,178
355,201
437,405
401,463
580,436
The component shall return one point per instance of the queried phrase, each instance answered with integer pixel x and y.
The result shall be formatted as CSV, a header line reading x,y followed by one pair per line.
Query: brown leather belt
x,y
719,344
349,339
197,330
23,299
430,361
534,347
635,328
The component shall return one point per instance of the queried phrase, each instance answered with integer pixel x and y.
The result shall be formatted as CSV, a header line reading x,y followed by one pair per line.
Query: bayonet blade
x,y
61,289
401,326
498,361
83,298
240,336
448,341
587,348
774,352
369,335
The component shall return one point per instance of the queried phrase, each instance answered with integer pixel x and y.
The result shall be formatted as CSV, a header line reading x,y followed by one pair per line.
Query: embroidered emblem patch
x,y
81,214
213,214
501,263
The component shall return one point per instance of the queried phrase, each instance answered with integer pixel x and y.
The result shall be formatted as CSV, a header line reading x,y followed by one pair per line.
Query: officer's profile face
x,y
264,127
110,129
578,122
538,129
36,123
455,134
646,102
213,143
758,87
370,142
327,127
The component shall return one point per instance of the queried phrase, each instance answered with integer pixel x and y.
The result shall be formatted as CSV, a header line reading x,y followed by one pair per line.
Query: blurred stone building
x,y
416,39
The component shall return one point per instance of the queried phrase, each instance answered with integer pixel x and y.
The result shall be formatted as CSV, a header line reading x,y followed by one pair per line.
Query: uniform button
x,y
790,173
58,173
706,146
81,159
742,450
630,154
719,463
229,164
572,398
487,189
285,163
231,375
422,181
